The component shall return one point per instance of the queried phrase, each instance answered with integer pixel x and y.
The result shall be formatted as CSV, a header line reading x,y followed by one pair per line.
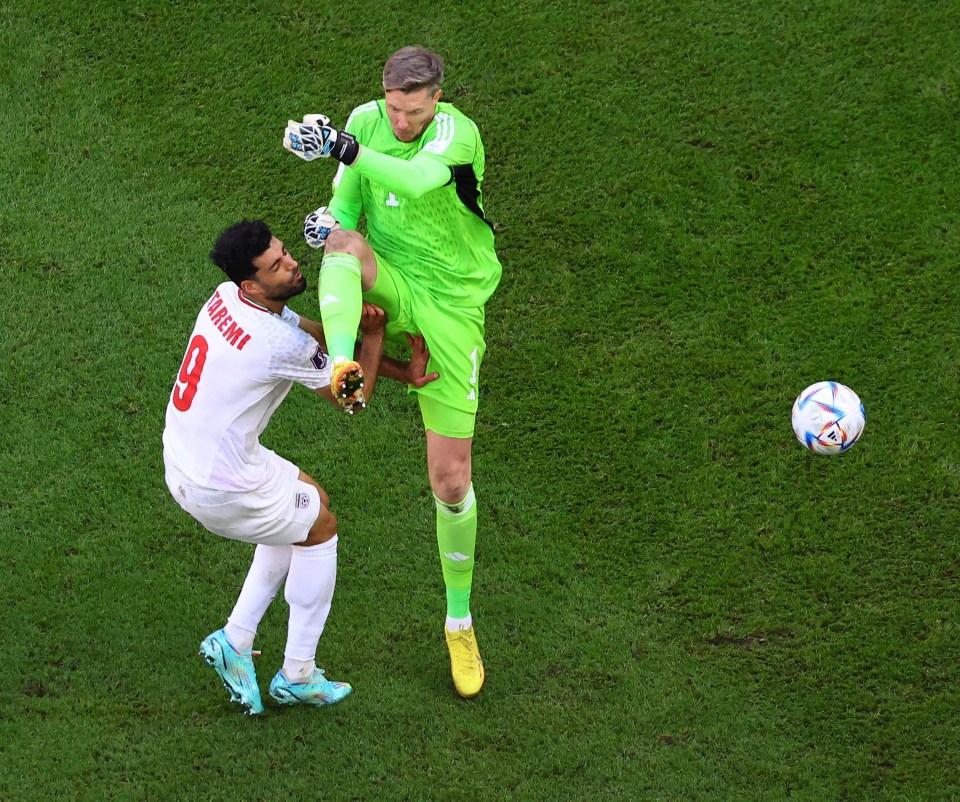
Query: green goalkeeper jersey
x,y
422,202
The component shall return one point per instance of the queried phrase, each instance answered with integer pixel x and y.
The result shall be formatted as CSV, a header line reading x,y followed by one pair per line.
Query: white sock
x,y
297,670
267,572
309,592
454,624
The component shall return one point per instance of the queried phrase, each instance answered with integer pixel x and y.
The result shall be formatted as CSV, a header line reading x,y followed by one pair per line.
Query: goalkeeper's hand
x,y
315,137
317,227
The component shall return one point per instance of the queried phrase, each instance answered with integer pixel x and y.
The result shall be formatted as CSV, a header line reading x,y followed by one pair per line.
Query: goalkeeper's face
x,y
278,273
411,112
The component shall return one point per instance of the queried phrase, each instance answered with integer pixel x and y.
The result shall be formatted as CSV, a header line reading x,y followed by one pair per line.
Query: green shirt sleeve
x,y
347,202
406,179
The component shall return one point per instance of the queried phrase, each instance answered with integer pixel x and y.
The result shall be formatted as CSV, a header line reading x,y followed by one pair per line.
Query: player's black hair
x,y
237,247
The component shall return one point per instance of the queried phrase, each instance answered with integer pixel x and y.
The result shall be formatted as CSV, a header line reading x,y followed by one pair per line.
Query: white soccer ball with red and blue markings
x,y
828,418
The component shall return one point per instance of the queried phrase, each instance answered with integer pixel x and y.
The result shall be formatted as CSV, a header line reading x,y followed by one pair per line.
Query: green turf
x,y
702,208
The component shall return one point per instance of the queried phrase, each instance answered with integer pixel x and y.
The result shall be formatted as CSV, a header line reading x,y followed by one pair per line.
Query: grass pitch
x,y
701,209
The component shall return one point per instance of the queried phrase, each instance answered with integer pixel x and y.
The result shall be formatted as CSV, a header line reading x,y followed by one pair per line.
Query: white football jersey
x,y
241,362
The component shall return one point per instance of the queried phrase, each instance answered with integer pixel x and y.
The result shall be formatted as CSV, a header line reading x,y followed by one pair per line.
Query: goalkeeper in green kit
x,y
413,166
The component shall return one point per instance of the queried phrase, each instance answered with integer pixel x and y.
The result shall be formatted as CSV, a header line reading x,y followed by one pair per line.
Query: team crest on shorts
x,y
303,501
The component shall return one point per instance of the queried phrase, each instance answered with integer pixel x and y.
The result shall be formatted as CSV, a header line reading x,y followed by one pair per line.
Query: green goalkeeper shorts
x,y
454,336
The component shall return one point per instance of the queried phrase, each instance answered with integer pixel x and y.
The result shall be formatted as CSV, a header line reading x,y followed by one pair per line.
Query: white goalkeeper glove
x,y
317,227
315,137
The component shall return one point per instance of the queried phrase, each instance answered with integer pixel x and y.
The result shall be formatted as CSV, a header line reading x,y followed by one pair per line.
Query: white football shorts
x,y
278,513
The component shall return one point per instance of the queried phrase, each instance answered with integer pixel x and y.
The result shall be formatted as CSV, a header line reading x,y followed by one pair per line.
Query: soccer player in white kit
x,y
246,351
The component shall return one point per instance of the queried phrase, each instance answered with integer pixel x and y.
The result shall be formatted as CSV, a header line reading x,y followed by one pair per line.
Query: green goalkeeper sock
x,y
341,302
457,539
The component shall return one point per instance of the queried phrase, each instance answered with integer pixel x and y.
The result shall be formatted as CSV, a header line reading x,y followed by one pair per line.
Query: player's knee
x,y
323,529
324,498
451,484
344,241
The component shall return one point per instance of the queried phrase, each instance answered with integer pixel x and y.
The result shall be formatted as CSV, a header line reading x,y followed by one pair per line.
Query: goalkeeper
x,y
413,166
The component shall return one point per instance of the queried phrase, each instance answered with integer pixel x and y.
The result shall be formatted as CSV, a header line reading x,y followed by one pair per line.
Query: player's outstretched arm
x,y
412,371
315,330
316,138
373,320
405,179
372,323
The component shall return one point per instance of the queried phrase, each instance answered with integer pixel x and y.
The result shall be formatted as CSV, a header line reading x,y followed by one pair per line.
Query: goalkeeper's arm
x,y
405,179
315,137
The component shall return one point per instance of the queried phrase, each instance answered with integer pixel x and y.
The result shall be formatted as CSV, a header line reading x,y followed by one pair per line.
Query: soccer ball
x,y
828,418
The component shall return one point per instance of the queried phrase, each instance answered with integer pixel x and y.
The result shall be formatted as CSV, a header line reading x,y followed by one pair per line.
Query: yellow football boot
x,y
465,663
346,384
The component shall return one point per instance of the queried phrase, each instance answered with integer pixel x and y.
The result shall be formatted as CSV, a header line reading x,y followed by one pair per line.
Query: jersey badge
x,y
319,359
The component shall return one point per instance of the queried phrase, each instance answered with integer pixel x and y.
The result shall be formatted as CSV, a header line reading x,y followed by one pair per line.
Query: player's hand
x,y
309,143
306,139
317,227
316,138
415,373
373,319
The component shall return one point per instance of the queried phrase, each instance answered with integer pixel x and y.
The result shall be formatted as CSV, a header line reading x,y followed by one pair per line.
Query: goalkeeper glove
x,y
317,227
316,137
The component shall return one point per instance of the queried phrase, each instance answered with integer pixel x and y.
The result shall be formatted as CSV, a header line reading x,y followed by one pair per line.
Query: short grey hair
x,y
413,68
